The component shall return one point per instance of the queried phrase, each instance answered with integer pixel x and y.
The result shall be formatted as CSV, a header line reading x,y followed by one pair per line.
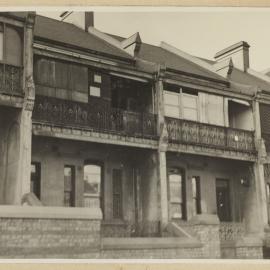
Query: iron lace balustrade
x,y
195,133
101,119
231,231
10,79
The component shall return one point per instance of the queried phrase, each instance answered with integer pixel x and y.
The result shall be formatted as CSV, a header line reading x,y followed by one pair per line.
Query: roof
x,y
17,15
159,55
68,34
247,78
175,62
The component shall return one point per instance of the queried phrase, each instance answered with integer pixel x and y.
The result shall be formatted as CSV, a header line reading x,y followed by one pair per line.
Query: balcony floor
x,y
78,134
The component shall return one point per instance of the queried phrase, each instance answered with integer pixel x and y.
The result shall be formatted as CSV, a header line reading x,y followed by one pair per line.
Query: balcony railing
x,y
195,133
97,118
10,79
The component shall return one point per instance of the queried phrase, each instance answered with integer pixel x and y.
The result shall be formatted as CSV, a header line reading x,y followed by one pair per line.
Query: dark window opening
x,y
196,194
171,87
117,194
69,186
35,178
190,91
131,95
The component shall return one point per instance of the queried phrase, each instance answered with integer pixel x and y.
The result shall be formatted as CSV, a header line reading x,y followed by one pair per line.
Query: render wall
x,y
54,154
209,169
9,154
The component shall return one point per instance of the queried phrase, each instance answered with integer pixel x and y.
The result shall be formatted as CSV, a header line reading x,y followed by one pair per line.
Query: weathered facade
x,y
121,149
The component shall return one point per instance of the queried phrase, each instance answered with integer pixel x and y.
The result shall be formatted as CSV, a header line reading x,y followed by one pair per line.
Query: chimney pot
x,y
89,20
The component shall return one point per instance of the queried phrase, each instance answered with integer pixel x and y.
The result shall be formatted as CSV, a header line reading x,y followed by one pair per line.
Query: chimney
x,y
239,53
82,20
89,20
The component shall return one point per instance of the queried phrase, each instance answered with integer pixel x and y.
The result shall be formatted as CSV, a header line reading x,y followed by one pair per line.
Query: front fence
x,y
231,231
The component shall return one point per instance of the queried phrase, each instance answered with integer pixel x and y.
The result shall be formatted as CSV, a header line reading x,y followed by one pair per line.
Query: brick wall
x,y
249,247
151,248
45,232
205,227
209,237
161,253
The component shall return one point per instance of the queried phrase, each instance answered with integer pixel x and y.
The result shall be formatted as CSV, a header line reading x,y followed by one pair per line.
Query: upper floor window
x,y
11,45
180,102
95,81
1,43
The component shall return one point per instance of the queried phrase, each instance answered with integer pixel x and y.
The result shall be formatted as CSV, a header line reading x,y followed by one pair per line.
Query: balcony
x,y
10,79
103,119
210,136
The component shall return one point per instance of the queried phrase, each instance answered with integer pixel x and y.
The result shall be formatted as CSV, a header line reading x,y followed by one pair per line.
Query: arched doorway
x,y
93,185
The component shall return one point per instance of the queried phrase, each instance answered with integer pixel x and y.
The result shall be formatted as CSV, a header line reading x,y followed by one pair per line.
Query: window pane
x,y
190,114
67,179
14,46
97,78
1,45
189,101
172,111
33,168
35,179
94,91
92,185
69,186
175,188
176,210
194,188
268,191
171,99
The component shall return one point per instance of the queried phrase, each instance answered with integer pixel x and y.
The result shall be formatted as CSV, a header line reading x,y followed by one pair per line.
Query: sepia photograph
x,y
135,133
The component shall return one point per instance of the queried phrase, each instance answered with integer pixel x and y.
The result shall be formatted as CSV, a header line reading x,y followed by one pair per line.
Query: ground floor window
x,y
268,199
92,185
69,186
35,178
177,194
223,199
196,195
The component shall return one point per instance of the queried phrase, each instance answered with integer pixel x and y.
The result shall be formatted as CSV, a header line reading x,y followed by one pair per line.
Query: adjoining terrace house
x,y
130,150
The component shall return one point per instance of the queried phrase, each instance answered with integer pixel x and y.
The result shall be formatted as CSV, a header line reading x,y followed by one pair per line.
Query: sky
x,y
201,32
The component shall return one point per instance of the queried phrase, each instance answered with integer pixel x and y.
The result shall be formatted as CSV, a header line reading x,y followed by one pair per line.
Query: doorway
x,y
93,185
223,199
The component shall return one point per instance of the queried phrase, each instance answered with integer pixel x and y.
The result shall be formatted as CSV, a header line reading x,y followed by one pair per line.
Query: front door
x,y
223,199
